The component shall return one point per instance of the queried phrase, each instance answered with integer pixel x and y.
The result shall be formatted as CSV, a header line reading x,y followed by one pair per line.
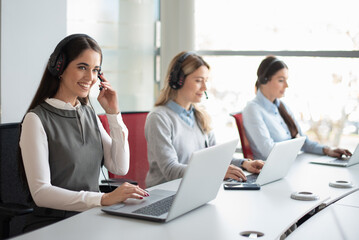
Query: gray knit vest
x,y
75,146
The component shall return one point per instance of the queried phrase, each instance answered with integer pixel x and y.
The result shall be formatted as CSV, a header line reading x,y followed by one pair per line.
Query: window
x,y
125,31
277,25
317,40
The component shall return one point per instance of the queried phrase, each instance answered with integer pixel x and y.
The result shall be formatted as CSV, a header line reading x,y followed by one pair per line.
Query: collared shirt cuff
x,y
115,119
237,162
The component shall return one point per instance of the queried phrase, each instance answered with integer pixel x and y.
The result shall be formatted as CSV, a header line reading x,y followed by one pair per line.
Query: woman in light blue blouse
x,y
268,120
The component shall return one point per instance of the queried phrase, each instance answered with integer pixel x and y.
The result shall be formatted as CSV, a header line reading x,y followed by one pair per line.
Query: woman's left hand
x,y
254,166
108,97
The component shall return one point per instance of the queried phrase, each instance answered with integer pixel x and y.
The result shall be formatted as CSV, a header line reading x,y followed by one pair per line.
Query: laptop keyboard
x,y
157,208
250,178
340,161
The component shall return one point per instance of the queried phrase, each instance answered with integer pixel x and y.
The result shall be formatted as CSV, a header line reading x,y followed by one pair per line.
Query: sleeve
x,y
211,139
35,154
115,145
309,145
237,162
257,131
159,133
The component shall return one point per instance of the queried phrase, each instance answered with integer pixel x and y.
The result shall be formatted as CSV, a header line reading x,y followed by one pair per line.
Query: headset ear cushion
x,y
173,79
56,64
262,80
60,64
181,78
176,77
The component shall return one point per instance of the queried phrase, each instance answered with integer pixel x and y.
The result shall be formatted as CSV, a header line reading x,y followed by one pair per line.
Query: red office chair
x,y
135,122
246,148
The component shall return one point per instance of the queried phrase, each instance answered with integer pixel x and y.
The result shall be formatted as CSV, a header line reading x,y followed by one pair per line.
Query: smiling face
x,y
79,76
193,88
276,86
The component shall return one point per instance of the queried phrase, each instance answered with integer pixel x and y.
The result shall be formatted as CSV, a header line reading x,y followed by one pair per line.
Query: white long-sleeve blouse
x,y
34,149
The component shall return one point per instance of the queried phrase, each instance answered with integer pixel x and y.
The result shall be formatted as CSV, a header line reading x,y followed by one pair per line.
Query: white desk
x,y
305,176
337,221
351,200
270,211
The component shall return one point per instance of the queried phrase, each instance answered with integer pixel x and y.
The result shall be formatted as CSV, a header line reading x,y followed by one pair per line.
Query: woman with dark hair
x,y
177,126
63,143
268,120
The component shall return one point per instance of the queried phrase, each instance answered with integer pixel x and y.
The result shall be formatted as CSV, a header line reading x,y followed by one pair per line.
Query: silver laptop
x,y
340,162
206,168
278,163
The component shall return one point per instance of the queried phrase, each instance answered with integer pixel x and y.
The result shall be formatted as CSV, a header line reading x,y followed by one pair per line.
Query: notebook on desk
x,y
200,184
340,162
278,163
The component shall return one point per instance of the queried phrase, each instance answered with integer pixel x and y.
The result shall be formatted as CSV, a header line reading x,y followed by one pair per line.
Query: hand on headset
x,y
107,96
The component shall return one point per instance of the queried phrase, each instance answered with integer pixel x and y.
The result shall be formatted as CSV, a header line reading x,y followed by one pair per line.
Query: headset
x,y
57,61
262,79
177,76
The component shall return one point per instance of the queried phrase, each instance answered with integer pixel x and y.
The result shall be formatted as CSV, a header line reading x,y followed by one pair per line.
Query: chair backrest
x,y
135,123
13,194
11,186
246,148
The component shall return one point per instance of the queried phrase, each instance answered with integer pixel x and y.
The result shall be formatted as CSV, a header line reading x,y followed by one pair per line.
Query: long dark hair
x,y
49,84
269,67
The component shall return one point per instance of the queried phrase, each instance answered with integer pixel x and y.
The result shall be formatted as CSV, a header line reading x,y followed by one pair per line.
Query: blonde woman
x,y
177,127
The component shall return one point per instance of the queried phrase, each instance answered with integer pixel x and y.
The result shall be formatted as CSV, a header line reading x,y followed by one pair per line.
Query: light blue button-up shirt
x,y
264,126
186,115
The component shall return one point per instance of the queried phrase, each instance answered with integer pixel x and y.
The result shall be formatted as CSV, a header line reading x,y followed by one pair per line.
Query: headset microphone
x,y
206,94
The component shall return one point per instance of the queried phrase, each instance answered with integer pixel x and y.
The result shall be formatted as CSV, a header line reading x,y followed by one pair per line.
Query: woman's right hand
x,y
108,97
235,173
253,166
337,152
123,192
